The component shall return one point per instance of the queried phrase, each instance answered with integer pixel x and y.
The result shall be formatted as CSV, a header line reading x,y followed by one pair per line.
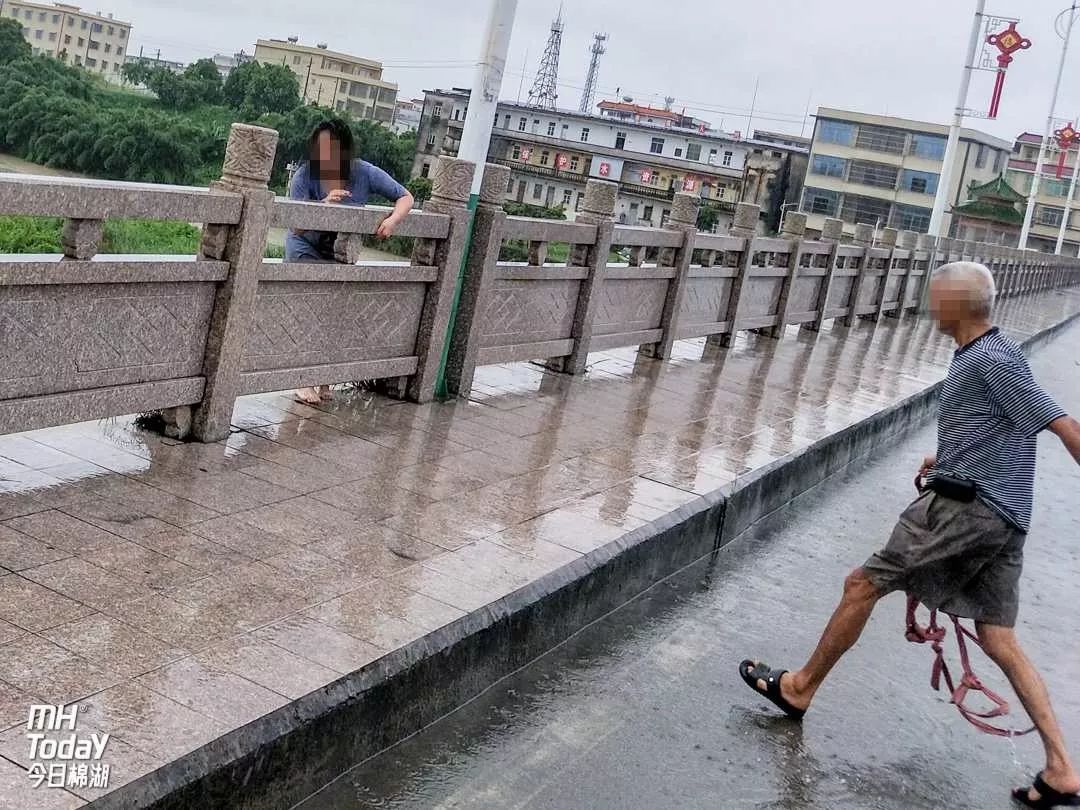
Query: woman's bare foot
x,y
308,396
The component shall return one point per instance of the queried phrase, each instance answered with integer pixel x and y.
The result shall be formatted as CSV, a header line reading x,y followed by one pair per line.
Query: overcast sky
x,y
882,57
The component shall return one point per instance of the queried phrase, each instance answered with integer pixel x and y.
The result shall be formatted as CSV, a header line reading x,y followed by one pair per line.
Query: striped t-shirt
x,y
991,412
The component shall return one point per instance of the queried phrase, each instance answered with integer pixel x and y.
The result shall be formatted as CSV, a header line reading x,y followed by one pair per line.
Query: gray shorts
x,y
962,558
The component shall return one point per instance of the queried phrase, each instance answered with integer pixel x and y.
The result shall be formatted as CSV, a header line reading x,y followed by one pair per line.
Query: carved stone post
x,y
684,214
795,230
745,226
488,228
249,159
832,232
599,210
889,238
451,186
864,237
929,244
906,241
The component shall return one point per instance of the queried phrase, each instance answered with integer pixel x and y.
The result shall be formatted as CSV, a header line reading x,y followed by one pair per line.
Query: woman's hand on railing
x,y
337,195
388,226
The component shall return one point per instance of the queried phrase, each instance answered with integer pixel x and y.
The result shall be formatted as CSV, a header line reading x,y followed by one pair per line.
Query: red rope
x,y
969,682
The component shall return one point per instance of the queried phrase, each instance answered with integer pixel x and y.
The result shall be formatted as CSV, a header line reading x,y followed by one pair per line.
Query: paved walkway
x,y
644,710
178,591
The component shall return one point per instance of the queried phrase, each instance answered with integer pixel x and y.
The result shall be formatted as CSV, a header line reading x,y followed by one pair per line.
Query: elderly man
x,y
959,546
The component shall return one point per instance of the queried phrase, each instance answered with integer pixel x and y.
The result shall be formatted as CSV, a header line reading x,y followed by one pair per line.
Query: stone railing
x,y
85,336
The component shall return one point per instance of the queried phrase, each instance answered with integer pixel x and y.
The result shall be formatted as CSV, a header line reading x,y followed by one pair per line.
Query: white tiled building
x,y
95,42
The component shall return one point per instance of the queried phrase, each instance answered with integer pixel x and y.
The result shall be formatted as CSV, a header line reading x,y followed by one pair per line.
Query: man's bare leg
x,y
1001,645
841,633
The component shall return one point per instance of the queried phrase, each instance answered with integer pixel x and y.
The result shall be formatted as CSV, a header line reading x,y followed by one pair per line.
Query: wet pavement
x,y
645,710
179,591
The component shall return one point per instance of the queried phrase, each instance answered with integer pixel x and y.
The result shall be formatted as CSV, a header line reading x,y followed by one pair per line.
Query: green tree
x,y
708,216
12,44
420,188
204,82
260,89
135,73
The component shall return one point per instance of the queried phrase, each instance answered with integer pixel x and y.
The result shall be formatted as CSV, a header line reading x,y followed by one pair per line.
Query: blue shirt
x,y
367,179
991,412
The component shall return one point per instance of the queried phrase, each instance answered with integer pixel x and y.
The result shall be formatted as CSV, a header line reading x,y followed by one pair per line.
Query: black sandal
x,y
1048,797
752,672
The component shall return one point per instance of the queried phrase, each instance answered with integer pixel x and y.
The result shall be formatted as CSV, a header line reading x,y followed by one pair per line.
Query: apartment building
x,y
1052,205
95,42
553,154
332,79
885,171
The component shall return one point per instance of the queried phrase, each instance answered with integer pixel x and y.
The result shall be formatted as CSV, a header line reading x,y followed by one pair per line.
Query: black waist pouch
x,y
955,489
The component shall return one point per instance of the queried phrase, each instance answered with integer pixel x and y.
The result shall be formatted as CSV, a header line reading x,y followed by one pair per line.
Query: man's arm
x,y
1068,430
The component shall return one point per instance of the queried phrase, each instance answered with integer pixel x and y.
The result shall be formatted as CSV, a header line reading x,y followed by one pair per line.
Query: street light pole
x,y
1041,161
476,140
937,216
1068,205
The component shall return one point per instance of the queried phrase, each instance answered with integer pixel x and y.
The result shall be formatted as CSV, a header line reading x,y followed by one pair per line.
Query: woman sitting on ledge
x,y
333,175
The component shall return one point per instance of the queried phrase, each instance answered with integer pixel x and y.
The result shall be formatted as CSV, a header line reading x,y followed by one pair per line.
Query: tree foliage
x,y
12,44
258,89
64,117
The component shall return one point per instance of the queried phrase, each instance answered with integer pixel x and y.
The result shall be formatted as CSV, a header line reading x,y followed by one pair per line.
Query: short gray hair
x,y
976,279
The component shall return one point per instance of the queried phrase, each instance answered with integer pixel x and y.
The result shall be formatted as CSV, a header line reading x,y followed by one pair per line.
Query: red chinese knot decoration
x,y
1007,42
605,169
646,176
1066,137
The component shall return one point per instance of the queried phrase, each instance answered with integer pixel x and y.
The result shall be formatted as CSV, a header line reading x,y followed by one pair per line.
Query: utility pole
x,y
1033,196
1068,205
937,217
307,80
476,137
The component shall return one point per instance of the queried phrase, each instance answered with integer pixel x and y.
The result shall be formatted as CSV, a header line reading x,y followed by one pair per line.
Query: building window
x,y
108,48
94,45
931,147
919,182
116,67
538,191
647,213
820,201
911,218
436,111
881,139
836,132
828,165
91,62
867,173
123,33
678,151
81,42
104,66
999,161
97,28
728,157
85,25
71,20
39,34
67,39
575,163
657,146
864,210
52,36
981,156
506,122
515,153
56,19
620,140
425,170
545,158
1055,188
29,15
41,16
522,123
1044,215
584,134
551,129
693,151
567,197
431,139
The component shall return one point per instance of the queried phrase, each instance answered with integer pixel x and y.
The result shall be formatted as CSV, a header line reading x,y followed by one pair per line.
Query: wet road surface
x,y
645,708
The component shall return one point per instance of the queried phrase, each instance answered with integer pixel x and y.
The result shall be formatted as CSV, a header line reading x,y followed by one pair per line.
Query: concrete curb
x,y
282,757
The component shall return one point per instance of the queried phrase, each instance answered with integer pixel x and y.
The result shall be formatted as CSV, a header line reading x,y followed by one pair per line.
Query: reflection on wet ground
x,y
645,710
179,591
